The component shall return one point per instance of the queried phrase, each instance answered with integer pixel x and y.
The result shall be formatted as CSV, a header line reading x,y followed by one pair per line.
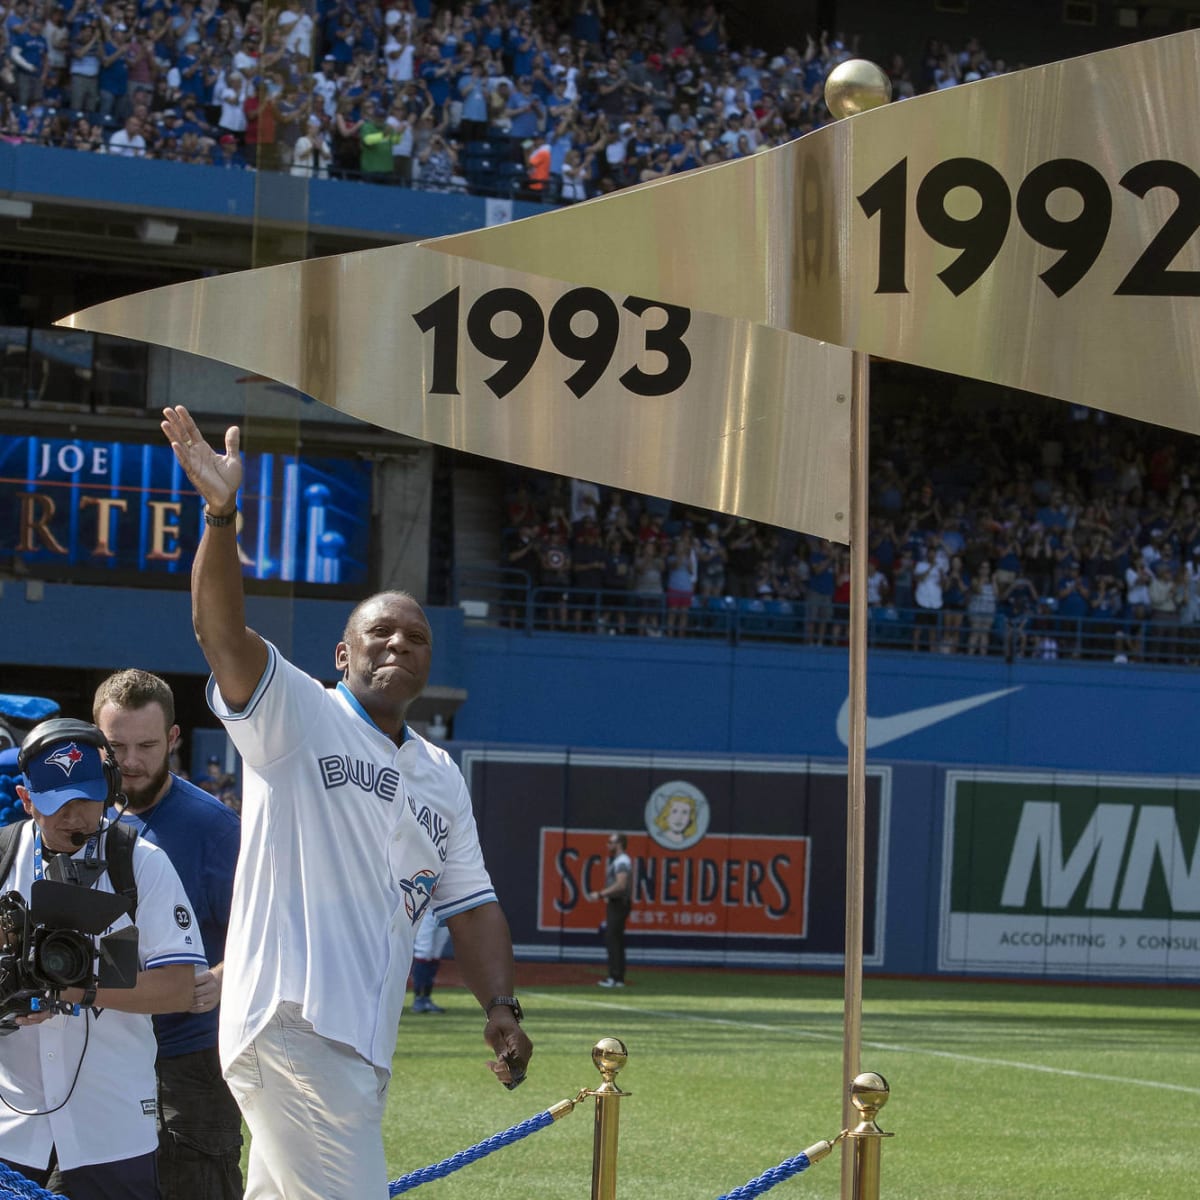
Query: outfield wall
x,y
1029,818
1028,873
771,698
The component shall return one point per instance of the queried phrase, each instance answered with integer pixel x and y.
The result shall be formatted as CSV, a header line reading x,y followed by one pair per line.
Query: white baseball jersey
x,y
347,841
112,1107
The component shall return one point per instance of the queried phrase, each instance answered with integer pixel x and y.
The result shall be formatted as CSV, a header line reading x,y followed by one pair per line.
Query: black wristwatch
x,y
507,1002
219,519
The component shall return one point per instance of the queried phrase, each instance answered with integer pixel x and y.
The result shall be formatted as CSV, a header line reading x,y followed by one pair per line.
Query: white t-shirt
x,y
325,87
233,116
125,146
347,841
310,158
402,147
297,34
929,584
112,1108
399,59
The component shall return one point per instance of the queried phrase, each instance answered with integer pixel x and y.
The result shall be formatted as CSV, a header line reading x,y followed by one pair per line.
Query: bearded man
x,y
199,1123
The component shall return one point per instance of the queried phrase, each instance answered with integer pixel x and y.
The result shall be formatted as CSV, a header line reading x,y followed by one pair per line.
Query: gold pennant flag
x,y
1038,230
612,387
682,338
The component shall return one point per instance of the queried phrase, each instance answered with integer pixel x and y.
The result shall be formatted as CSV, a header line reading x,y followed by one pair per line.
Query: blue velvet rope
x,y
13,1184
768,1179
18,1187
480,1150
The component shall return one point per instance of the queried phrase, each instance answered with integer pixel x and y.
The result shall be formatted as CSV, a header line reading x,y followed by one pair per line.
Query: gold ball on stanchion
x,y
856,86
610,1055
869,1090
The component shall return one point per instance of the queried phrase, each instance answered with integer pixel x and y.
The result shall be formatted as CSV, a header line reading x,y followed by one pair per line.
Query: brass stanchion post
x,y
868,1093
609,1055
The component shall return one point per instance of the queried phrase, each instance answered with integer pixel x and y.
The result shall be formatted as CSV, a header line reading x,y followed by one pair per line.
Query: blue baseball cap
x,y
65,771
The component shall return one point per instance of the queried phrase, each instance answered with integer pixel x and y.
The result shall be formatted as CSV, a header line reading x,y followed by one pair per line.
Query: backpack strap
x,y
119,841
10,835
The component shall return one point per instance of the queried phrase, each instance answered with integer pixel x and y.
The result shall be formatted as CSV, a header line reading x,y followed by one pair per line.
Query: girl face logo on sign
x,y
677,815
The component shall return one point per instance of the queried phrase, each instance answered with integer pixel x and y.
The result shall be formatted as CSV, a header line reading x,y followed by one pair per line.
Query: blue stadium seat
x,y
787,617
752,617
718,614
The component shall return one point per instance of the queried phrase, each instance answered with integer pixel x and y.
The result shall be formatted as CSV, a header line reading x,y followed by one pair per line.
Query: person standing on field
x,y
617,895
354,829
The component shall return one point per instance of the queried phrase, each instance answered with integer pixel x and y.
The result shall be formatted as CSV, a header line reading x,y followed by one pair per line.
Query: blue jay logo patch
x,y
418,891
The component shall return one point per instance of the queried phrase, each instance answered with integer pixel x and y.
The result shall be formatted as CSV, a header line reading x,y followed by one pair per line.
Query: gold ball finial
x,y
610,1055
869,1092
856,86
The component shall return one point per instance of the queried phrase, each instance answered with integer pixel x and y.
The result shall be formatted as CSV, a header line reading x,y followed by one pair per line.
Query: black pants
x,y
126,1179
199,1130
616,913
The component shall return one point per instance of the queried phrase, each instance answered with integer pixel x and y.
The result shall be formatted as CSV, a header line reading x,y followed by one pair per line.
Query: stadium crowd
x,y
556,101
998,526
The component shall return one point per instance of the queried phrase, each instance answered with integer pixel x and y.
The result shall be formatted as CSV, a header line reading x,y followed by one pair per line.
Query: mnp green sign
x,y
1071,873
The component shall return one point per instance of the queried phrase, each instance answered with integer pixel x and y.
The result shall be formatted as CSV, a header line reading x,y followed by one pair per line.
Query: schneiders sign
x,y
686,880
1071,873
739,886
735,861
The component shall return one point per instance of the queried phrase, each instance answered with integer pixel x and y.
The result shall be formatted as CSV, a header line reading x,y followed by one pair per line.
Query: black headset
x,y
67,729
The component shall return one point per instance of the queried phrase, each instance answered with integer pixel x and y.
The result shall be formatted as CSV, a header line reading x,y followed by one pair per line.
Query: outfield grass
x,y
999,1092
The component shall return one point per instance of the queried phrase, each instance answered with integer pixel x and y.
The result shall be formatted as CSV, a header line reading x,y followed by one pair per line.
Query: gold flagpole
x,y
856,777
854,87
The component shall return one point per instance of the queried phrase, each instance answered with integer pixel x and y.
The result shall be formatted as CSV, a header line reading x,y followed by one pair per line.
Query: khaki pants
x,y
314,1108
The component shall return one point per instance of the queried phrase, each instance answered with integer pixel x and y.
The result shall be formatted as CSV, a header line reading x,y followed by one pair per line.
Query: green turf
x,y
999,1092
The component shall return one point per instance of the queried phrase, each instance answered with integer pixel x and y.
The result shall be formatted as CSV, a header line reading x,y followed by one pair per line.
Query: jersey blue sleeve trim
x,y
223,713
170,960
444,912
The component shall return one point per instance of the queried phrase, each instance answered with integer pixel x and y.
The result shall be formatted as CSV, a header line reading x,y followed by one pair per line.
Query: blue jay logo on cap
x,y
67,771
66,759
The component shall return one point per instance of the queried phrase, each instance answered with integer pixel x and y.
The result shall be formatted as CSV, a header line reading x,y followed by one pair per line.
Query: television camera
x,y
50,945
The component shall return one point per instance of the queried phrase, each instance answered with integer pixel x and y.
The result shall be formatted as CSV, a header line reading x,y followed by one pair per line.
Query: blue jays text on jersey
x,y
435,825
337,770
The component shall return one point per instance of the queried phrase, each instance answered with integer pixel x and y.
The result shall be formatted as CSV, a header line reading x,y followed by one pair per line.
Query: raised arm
x,y
237,656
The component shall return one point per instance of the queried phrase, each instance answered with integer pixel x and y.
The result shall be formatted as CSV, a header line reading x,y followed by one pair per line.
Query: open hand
x,y
216,477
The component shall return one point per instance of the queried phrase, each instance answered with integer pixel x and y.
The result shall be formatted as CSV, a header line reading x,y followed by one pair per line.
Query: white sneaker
x,y
610,983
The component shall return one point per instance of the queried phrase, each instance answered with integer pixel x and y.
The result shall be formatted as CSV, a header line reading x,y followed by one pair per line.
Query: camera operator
x,y
77,1090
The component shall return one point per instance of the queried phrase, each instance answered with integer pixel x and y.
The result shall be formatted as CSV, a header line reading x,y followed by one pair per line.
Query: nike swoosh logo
x,y
882,730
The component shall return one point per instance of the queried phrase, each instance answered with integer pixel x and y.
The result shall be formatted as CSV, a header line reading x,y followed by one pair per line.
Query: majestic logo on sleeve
x,y
66,758
418,891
